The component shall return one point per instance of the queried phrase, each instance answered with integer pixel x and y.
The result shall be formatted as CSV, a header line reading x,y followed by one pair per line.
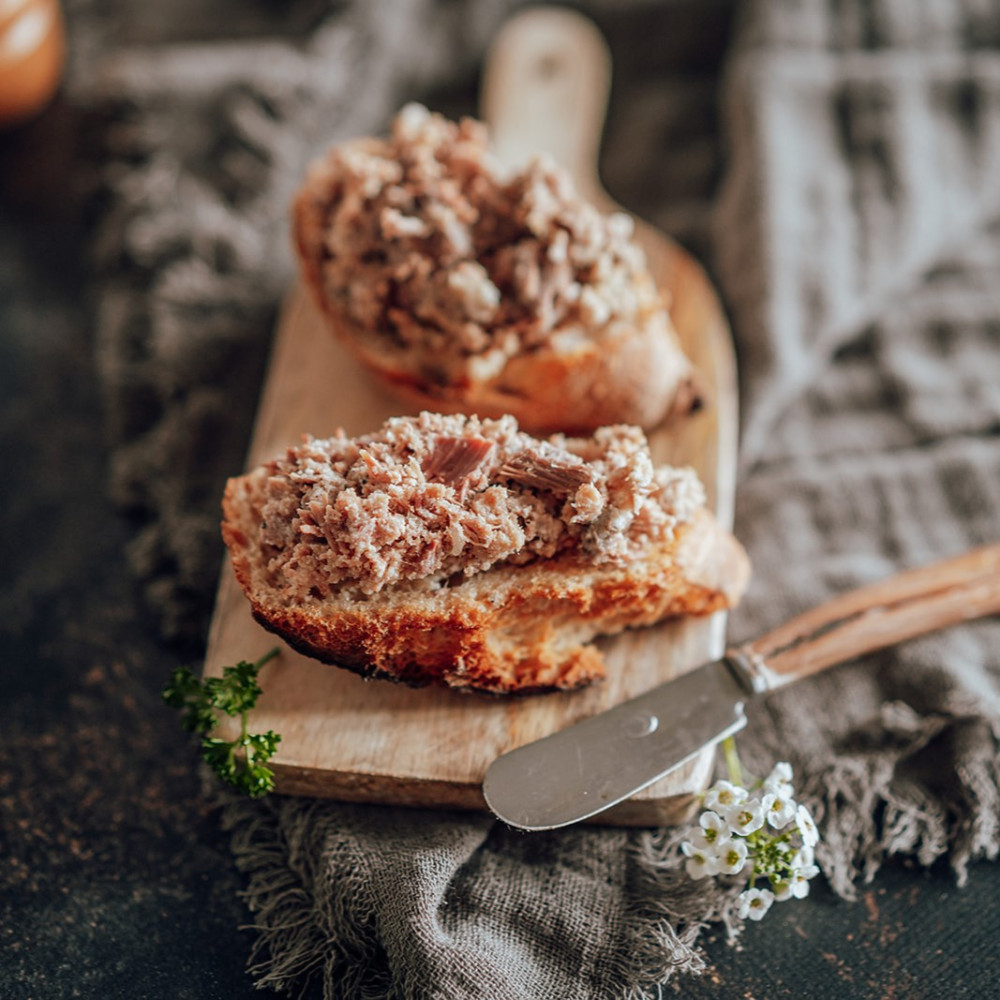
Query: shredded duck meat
x,y
432,247
428,497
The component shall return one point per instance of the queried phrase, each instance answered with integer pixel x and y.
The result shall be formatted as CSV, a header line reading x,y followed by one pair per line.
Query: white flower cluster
x,y
760,833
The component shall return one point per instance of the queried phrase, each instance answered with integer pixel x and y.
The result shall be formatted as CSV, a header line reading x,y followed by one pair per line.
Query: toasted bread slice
x,y
465,289
514,612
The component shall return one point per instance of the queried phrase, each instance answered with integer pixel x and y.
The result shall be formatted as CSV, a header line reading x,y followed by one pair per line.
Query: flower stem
x,y
732,759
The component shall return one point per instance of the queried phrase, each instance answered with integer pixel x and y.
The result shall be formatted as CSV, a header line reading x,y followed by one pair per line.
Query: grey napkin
x,y
856,238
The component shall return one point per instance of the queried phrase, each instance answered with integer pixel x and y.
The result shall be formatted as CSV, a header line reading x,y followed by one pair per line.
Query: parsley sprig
x,y
240,762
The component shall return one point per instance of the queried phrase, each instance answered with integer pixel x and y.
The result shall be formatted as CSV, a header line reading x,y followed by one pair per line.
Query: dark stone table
x,y
115,879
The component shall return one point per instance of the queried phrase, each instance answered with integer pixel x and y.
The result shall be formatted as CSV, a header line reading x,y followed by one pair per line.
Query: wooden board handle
x,y
545,90
876,616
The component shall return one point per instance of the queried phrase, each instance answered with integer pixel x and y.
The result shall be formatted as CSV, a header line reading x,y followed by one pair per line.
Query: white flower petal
x,y
782,788
746,817
715,829
709,820
700,866
754,903
732,857
701,862
779,780
806,827
703,845
724,794
697,843
779,810
802,858
781,772
798,881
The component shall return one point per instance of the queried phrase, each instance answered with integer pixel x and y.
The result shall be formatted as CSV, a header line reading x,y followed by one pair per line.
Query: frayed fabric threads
x,y
862,289
473,901
478,894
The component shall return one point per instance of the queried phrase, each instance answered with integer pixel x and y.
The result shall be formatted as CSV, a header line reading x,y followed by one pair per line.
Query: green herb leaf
x,y
185,691
238,762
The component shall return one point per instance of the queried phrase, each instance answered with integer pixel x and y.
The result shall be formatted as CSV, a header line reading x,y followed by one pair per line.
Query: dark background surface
x,y
115,878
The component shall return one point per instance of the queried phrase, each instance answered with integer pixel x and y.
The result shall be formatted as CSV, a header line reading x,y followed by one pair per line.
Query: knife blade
x,y
589,767
574,774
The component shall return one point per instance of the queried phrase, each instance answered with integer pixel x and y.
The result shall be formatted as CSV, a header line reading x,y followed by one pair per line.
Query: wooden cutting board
x,y
373,741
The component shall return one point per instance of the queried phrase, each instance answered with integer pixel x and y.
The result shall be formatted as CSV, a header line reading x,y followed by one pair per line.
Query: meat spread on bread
x,y
464,551
468,288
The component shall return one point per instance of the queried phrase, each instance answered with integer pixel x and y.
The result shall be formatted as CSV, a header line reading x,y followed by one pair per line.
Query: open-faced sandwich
x,y
468,288
450,549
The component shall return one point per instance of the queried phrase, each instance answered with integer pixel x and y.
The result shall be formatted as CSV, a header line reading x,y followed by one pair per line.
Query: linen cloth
x,y
848,201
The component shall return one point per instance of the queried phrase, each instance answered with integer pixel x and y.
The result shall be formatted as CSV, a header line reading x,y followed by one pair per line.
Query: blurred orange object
x,y
32,54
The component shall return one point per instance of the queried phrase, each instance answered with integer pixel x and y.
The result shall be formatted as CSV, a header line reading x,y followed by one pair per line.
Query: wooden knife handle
x,y
545,90
875,616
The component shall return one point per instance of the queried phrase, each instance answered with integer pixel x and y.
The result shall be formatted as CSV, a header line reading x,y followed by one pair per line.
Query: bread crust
x,y
510,629
623,379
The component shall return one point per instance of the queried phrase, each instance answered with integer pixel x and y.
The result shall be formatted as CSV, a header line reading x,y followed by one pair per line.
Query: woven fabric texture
x,y
847,198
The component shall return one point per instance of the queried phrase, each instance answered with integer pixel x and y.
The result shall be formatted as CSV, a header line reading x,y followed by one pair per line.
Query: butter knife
x,y
593,765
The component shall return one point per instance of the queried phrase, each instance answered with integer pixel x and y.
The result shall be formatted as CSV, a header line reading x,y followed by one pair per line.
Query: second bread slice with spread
x,y
468,288
453,550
